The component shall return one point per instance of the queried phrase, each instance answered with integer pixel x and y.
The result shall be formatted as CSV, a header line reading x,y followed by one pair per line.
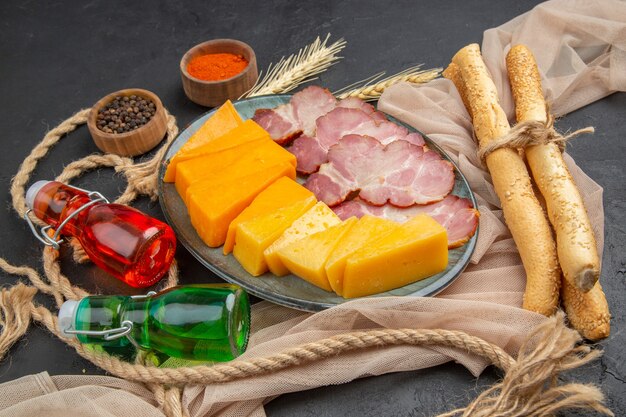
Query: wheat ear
x,y
298,68
371,88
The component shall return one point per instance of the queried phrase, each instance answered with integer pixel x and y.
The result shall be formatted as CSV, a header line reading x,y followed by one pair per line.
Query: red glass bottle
x,y
123,241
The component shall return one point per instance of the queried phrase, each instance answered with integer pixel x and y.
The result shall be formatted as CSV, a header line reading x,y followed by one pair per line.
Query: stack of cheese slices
x,y
240,191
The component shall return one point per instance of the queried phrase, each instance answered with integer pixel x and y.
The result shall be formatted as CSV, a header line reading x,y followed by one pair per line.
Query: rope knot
x,y
531,133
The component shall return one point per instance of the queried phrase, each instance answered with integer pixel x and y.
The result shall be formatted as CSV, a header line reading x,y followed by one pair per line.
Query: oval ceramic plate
x,y
290,290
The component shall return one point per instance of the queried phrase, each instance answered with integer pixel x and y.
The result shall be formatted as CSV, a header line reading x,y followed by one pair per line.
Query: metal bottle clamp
x,y
54,241
125,328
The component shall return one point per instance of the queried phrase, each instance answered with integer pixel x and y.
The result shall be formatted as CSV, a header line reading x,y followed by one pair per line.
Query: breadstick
x,y
453,73
576,245
522,212
587,312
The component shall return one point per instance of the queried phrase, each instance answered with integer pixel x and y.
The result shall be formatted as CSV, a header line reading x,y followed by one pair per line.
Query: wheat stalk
x,y
371,89
298,68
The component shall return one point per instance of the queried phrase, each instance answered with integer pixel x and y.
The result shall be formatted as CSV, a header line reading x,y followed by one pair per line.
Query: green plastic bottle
x,y
206,322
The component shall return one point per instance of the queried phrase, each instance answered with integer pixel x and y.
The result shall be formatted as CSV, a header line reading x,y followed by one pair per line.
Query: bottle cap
x,y
32,192
67,315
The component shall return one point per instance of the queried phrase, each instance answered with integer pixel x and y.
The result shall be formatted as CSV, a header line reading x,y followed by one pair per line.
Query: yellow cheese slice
x,y
319,217
306,257
223,120
246,158
281,193
212,209
367,229
247,132
253,236
415,250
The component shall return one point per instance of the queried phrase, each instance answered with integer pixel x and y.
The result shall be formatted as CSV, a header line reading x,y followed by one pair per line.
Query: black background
x,y
59,57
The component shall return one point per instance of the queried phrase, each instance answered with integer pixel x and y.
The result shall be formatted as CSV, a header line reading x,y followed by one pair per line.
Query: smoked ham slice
x,y
288,121
345,121
400,173
315,120
309,154
311,151
357,103
455,214
309,104
280,123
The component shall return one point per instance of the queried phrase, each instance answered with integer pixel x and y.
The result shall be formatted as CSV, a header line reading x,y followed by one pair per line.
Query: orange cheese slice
x,y
367,229
210,165
306,257
247,132
281,193
253,236
229,163
319,217
244,133
211,209
223,120
415,250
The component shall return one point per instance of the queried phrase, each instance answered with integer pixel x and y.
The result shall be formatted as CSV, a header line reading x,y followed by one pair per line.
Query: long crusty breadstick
x,y
522,212
453,73
587,312
576,245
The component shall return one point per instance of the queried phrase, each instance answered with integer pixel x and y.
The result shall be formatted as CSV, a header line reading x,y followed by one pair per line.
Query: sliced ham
x,y
279,123
309,154
357,103
345,121
314,120
400,173
310,104
456,214
340,122
288,121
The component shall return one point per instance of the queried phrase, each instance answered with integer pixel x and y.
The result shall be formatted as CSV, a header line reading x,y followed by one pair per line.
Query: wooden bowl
x,y
135,142
214,93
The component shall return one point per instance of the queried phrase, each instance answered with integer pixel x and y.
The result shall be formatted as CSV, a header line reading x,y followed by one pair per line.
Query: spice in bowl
x,y
216,67
125,113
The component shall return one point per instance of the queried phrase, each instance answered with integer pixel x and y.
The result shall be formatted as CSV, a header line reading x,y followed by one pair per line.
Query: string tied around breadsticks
x,y
531,133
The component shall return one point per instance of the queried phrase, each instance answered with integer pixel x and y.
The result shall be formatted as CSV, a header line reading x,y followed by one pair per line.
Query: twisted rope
x,y
142,177
528,388
531,133
51,138
306,353
309,352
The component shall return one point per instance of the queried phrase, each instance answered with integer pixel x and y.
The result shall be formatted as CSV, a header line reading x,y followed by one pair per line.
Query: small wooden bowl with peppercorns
x,y
219,73
128,122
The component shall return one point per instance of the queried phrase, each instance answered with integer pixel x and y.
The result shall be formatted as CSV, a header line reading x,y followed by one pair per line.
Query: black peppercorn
x,y
125,113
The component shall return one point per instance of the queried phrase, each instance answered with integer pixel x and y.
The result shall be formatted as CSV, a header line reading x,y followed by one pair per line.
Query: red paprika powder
x,y
215,67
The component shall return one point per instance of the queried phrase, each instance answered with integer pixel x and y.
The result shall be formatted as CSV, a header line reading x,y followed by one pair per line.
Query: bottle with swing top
x,y
208,322
123,241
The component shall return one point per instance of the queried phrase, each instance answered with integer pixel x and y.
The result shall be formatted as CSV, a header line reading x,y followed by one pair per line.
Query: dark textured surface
x,y
59,57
